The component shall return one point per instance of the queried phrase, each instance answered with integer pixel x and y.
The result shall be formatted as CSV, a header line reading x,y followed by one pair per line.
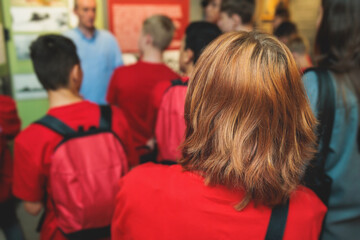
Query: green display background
x,y
30,110
4,68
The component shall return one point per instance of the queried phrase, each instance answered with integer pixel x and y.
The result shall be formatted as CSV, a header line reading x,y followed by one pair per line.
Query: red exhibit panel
x,y
126,18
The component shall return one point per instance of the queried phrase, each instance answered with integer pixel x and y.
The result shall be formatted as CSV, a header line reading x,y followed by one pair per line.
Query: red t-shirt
x,y
9,127
164,202
130,88
35,145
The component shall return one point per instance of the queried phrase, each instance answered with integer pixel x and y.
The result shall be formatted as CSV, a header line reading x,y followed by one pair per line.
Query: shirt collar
x,y
77,29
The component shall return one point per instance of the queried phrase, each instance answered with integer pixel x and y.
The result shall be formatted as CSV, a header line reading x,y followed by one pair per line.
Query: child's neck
x,y
62,97
152,55
245,27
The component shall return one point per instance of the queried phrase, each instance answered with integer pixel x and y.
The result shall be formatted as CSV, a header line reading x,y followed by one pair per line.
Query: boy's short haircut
x,y
199,35
286,29
53,57
161,29
297,45
244,8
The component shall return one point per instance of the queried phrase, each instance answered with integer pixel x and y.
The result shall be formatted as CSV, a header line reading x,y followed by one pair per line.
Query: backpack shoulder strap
x,y
326,111
105,117
178,82
56,125
326,106
277,222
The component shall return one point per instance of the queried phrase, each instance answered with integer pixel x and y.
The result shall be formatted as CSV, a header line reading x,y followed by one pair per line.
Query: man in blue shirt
x,y
98,51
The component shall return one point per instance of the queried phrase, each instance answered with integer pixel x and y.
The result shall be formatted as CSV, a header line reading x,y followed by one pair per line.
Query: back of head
x,y
338,36
53,58
244,8
297,45
161,29
199,35
249,124
286,29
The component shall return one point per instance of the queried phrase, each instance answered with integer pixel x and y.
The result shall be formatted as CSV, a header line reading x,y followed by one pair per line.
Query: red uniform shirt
x,y
35,145
9,127
164,202
131,88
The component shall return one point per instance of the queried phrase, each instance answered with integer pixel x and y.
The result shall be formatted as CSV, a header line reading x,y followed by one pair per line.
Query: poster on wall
x,y
49,3
39,19
2,46
27,86
126,18
22,45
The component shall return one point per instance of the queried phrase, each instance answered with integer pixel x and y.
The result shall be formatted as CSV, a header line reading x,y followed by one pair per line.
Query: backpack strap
x,y
277,222
105,117
177,82
326,112
56,125
315,175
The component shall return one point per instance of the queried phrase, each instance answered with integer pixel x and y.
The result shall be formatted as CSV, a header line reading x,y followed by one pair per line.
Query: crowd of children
x,y
241,126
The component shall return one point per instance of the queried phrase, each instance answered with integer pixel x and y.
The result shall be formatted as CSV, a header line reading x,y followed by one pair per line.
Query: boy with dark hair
x,y
286,31
131,86
236,15
211,10
36,178
170,124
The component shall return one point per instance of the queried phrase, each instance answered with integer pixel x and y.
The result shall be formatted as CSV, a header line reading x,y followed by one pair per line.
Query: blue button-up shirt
x,y
99,56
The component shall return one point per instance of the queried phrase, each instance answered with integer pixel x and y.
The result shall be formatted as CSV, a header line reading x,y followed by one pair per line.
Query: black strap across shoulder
x,y
315,177
277,222
178,82
56,125
61,128
105,117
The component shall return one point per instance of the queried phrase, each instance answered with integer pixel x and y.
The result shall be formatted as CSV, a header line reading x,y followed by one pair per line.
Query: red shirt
x,y
131,88
9,127
35,145
164,202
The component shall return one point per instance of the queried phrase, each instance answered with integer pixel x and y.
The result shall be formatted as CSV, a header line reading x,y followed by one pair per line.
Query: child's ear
x,y
149,39
76,76
237,19
189,56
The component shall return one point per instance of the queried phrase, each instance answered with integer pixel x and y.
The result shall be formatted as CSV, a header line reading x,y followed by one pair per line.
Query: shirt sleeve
x,y
29,180
9,119
118,54
111,92
121,127
312,89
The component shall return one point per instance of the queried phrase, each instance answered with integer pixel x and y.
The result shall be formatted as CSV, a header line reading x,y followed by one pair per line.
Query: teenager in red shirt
x,y
170,123
131,86
58,69
249,136
9,128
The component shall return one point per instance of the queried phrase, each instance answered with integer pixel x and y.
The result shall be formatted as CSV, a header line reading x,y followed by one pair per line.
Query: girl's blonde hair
x,y
249,124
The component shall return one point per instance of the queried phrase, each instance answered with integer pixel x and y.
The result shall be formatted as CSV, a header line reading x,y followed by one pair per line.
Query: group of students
x,y
238,129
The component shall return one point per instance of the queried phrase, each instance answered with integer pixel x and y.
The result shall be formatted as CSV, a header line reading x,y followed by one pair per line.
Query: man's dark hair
x,y
286,29
244,8
199,35
204,3
53,57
